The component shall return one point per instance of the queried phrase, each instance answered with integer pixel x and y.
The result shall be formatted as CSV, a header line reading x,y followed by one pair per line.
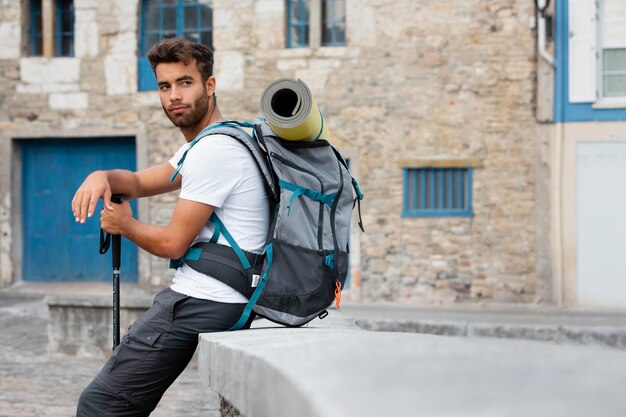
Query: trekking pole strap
x,y
105,242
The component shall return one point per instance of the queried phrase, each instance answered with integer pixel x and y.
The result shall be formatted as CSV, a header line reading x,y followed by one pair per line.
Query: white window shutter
x,y
582,51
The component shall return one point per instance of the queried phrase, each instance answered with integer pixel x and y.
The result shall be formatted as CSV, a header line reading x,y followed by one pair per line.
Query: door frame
x,y
574,133
11,182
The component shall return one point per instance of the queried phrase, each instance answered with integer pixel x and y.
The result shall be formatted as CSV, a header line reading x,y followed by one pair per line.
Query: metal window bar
x,y
437,191
64,28
181,29
36,28
334,24
298,21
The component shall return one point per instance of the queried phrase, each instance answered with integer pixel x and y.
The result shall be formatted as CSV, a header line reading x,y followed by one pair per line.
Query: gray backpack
x,y
306,258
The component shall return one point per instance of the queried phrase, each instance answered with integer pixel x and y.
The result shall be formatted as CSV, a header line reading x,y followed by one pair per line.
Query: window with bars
x,y
437,192
162,19
297,23
58,42
315,23
333,23
36,28
64,30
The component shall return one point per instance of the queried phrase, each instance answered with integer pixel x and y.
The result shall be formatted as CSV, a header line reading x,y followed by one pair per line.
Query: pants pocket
x,y
136,347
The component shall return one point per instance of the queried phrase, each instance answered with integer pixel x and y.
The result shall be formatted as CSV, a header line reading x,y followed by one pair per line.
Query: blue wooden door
x,y
55,247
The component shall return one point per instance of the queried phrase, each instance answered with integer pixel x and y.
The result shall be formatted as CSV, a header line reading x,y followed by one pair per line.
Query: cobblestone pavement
x,y
36,383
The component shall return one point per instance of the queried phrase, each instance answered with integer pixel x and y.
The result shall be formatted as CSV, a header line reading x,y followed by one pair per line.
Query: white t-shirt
x,y
221,172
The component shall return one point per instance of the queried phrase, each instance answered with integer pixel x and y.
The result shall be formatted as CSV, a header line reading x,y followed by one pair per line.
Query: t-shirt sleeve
x,y
211,170
179,154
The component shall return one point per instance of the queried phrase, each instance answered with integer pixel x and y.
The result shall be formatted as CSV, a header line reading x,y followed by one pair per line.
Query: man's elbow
x,y
174,249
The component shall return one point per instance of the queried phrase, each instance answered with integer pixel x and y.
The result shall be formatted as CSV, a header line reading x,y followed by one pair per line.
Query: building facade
x,y
461,133
589,152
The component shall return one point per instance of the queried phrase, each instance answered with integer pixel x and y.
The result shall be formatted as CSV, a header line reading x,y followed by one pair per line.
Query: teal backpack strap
x,y
298,190
203,133
256,294
357,190
192,254
217,229
222,229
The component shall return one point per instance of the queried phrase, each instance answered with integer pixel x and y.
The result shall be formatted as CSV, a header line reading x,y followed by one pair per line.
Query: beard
x,y
199,109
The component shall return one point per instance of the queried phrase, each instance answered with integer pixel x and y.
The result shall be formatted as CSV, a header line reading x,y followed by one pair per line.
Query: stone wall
x,y
425,80
437,80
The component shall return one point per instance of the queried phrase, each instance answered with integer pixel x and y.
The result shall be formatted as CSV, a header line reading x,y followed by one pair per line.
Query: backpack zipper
x,y
320,226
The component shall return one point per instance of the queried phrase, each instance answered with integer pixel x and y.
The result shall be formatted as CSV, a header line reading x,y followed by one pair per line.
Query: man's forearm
x,y
123,182
156,240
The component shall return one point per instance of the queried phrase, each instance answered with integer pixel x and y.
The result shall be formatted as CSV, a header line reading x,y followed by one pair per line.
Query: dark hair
x,y
182,50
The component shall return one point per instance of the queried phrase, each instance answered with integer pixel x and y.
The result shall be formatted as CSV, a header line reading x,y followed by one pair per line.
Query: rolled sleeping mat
x,y
291,112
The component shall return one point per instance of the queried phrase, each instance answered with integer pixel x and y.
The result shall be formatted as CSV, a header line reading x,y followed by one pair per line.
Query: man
x,y
218,176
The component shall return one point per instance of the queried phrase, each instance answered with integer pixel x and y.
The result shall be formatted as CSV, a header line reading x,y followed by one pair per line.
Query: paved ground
x,y
35,383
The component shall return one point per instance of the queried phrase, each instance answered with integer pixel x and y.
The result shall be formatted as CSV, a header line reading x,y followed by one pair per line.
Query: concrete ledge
x,y
333,372
584,335
549,324
81,324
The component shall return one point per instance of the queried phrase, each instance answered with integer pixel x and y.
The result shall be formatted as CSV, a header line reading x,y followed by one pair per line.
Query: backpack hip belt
x,y
222,263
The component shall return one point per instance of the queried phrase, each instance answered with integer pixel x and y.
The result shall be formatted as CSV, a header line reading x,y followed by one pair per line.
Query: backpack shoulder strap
x,y
234,129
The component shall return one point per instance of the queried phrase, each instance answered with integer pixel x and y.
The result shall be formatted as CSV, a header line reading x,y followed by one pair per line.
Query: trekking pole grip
x,y
116,239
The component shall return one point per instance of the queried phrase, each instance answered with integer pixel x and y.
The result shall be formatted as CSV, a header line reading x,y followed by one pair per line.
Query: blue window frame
x,y
297,23
162,19
36,28
64,30
333,23
433,192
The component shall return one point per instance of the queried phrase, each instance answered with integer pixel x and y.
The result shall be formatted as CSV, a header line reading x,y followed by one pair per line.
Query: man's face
x,y
184,97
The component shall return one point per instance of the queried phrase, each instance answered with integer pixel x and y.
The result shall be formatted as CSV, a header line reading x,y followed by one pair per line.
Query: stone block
x,y
47,88
38,70
229,70
291,64
125,44
265,32
361,23
10,33
120,71
125,13
87,34
317,74
72,101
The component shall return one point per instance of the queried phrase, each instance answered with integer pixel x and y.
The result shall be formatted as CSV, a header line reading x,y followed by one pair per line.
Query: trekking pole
x,y
116,241
116,258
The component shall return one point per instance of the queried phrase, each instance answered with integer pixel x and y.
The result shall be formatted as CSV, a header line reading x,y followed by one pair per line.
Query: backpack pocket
x,y
300,283
300,214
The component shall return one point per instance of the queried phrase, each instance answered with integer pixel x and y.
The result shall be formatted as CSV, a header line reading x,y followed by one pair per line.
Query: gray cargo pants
x,y
157,348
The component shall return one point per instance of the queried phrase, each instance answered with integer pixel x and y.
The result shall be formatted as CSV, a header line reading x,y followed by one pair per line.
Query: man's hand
x,y
95,186
113,219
